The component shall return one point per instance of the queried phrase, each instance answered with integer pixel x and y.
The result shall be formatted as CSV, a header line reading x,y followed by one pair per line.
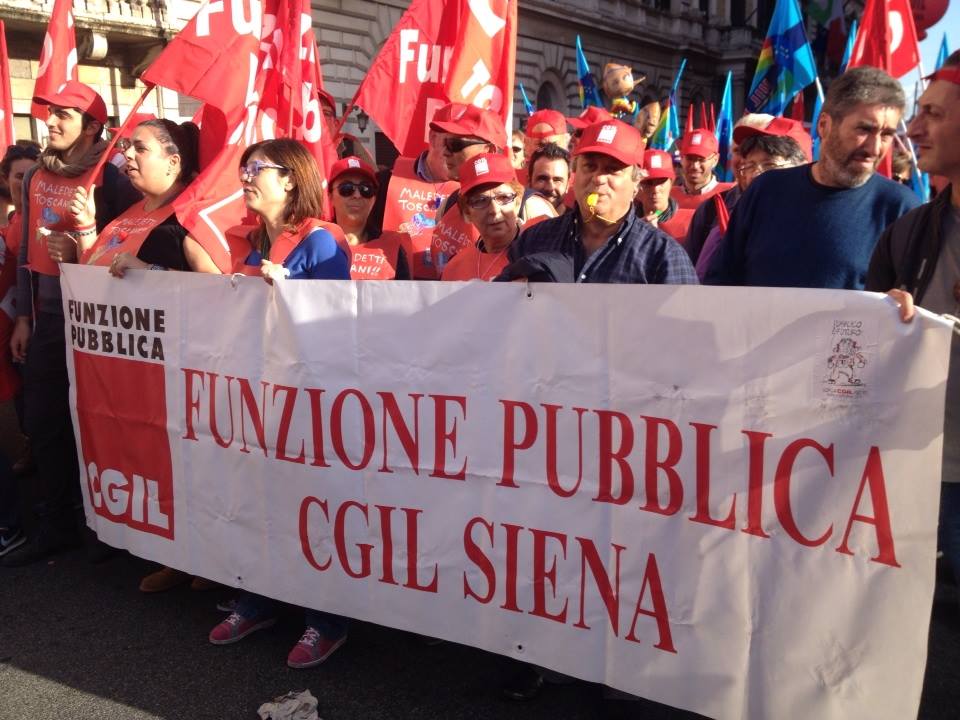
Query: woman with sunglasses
x,y
282,186
353,189
161,160
490,199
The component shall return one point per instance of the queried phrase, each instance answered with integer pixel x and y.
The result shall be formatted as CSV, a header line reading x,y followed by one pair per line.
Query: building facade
x,y
117,39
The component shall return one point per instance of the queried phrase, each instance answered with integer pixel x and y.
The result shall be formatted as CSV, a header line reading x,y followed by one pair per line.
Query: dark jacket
x,y
907,252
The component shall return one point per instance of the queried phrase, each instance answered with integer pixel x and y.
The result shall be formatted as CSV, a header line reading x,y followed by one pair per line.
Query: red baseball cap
x,y
779,126
471,121
555,120
447,111
658,164
591,116
702,143
352,164
74,94
485,169
614,138
327,98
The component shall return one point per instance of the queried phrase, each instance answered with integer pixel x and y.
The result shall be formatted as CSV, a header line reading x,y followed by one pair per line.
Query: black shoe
x,y
40,548
525,685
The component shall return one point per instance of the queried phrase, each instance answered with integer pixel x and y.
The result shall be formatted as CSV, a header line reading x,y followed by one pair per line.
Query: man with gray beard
x,y
816,225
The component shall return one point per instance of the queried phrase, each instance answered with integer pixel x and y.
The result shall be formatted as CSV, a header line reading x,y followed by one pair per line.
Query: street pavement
x,y
78,641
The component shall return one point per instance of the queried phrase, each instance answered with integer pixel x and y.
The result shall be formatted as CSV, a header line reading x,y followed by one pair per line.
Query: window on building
x,y
764,14
738,13
548,97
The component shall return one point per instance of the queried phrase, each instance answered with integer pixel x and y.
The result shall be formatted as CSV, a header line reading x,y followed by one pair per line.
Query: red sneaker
x,y
236,628
313,649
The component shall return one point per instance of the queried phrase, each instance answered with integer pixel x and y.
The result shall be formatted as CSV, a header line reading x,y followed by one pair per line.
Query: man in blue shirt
x,y
608,242
816,225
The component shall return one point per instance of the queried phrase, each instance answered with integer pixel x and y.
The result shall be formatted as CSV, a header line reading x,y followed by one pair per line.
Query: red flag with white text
x,y
887,38
6,99
58,58
440,52
254,65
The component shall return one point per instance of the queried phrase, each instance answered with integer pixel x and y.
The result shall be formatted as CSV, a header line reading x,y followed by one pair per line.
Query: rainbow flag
x,y
786,65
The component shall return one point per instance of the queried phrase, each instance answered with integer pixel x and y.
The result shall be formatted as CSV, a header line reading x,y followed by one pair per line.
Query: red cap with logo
x,y
74,94
486,169
352,164
544,123
471,121
701,143
658,164
591,116
614,138
782,127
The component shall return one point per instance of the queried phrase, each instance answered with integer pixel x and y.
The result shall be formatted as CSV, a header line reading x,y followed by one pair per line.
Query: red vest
x,y
419,256
692,202
13,234
471,264
375,260
412,208
126,233
678,225
49,197
452,234
289,239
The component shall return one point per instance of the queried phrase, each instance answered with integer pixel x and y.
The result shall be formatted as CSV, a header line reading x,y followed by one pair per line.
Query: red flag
x,y
704,125
887,38
689,128
6,99
441,51
58,59
713,118
798,111
255,68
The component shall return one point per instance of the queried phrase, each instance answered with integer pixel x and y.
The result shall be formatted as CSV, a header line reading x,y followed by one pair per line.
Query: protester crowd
x,y
577,199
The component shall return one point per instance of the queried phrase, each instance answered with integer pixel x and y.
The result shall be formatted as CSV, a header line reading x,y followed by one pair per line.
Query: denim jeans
x,y
948,533
332,627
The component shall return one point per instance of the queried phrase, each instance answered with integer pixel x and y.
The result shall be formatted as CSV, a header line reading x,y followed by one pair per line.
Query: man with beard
x,y
816,225
550,174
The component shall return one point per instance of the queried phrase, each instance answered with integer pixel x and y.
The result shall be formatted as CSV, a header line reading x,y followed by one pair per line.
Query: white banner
x,y
721,499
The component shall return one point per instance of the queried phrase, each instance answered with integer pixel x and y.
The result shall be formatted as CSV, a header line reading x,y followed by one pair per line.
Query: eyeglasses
x,y
346,189
482,202
123,144
252,169
759,168
457,144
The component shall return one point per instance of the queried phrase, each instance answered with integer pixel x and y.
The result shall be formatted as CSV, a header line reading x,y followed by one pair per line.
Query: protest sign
x,y
730,512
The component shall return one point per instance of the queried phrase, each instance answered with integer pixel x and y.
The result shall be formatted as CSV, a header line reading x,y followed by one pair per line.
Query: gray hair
x,y
862,86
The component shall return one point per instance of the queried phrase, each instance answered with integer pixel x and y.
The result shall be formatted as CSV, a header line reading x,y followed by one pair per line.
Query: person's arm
x,y
198,258
114,195
675,267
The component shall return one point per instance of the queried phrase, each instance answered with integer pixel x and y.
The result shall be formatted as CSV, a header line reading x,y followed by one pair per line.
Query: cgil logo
x,y
607,134
134,501
480,167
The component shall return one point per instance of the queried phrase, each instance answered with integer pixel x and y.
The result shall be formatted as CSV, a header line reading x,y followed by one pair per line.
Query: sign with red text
x,y
744,531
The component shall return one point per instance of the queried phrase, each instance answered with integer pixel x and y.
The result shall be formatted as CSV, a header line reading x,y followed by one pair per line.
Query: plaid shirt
x,y
637,253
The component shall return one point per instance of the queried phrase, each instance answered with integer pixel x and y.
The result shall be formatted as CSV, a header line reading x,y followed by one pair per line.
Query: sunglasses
x,y
455,145
367,190
253,168
516,150
482,202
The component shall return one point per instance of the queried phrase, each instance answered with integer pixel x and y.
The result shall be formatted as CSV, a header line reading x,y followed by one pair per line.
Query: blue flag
x,y
786,65
725,131
944,52
589,95
848,50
